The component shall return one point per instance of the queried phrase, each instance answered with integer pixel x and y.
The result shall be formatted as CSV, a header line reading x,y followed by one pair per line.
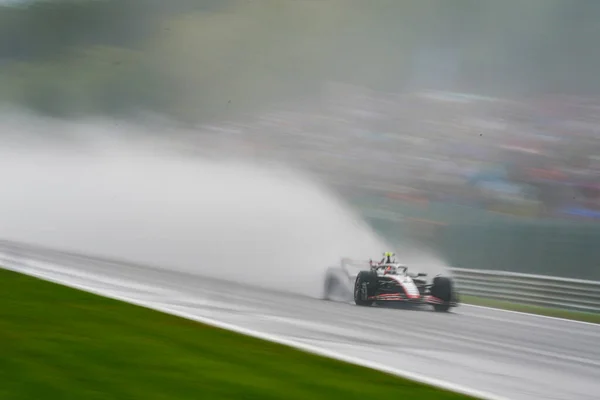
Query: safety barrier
x,y
538,290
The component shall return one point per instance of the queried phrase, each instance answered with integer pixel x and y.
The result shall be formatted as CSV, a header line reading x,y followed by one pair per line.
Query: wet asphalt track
x,y
512,355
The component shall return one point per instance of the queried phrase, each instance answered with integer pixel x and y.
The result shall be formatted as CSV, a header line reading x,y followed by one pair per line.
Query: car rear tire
x,y
328,287
364,286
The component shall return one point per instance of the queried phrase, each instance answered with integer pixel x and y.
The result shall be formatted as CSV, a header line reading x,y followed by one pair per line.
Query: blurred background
x,y
469,127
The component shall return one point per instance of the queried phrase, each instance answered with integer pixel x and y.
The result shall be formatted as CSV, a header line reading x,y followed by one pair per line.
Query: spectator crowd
x,y
536,157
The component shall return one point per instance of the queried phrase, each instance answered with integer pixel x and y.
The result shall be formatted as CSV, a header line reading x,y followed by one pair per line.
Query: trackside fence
x,y
537,290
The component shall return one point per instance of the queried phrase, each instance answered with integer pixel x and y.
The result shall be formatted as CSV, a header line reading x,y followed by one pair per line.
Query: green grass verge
x,y
62,343
550,312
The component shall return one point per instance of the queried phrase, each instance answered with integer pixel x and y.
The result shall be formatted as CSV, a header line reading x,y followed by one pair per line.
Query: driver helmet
x,y
388,256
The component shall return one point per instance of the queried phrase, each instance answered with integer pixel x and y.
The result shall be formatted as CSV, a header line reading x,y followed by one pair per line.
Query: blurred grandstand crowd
x,y
533,157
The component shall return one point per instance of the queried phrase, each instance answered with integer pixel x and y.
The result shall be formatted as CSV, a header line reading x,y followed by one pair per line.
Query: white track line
x,y
571,321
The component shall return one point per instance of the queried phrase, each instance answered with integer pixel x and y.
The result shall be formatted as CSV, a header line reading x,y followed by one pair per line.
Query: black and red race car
x,y
387,282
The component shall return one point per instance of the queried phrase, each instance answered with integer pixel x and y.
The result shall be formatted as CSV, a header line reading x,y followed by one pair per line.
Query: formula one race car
x,y
388,282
